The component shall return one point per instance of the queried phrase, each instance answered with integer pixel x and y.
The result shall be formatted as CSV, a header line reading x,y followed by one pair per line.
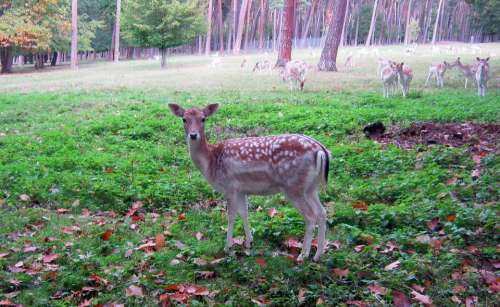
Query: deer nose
x,y
193,136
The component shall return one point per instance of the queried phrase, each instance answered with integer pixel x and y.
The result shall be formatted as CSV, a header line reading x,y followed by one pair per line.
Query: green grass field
x,y
77,149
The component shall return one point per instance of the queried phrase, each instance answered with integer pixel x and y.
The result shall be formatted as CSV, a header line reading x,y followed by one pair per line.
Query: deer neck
x,y
200,154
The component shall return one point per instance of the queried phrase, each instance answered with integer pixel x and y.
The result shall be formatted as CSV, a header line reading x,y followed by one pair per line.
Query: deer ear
x,y
176,109
487,59
445,63
210,109
477,58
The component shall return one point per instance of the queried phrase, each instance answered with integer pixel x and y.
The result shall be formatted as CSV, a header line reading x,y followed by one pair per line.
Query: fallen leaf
x,y
6,303
424,299
359,248
302,295
418,288
128,253
361,205
206,274
337,244
98,279
455,299
400,299
320,301
261,261
377,289
3,255
107,234
134,291
200,261
62,210
49,258
392,266
174,262
181,217
340,272
199,236
272,212
293,243
179,297
451,217
24,197
358,303
160,241
471,301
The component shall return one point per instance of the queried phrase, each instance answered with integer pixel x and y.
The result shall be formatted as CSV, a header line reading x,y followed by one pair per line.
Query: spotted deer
x,y
438,70
389,77
293,164
295,74
468,70
382,63
262,66
405,75
482,75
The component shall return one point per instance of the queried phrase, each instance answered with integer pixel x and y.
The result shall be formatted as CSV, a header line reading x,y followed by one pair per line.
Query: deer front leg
x,y
231,216
242,207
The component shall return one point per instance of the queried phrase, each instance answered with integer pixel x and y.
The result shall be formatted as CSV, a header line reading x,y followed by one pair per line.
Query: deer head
x,y
194,120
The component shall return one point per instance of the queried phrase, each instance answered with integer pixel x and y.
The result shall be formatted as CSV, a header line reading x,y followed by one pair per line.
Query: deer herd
x,y
391,73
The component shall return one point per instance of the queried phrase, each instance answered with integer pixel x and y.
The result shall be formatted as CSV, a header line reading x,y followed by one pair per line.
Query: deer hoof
x,y
316,258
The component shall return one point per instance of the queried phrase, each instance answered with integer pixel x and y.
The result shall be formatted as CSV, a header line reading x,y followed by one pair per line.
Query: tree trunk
x,y
74,34
209,28
372,25
6,59
310,18
328,58
285,51
116,55
241,25
408,19
344,24
247,24
357,31
221,28
53,61
163,52
436,24
262,20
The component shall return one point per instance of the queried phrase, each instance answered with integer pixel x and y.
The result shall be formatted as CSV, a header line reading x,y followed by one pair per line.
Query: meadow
x,y
101,205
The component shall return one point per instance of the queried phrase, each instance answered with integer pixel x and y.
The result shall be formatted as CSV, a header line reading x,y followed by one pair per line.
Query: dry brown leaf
x,y
377,289
340,272
160,241
302,295
361,205
261,261
272,212
24,197
133,290
424,299
392,266
199,236
400,299
107,234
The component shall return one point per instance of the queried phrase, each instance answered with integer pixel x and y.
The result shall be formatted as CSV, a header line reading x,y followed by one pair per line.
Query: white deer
x,y
405,75
438,70
389,76
468,70
295,74
482,76
293,164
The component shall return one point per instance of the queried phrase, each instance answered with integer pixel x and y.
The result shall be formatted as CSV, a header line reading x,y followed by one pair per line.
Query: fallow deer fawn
x,y
482,76
293,164
262,66
468,70
405,75
438,70
389,76
295,74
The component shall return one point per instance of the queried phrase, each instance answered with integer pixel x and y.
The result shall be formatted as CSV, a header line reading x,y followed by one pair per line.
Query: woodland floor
x,y
101,205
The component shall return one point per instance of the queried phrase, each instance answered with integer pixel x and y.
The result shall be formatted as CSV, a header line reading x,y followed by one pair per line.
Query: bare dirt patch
x,y
478,137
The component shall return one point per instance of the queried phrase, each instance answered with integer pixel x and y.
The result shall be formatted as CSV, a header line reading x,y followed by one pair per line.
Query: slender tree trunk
x,y
372,25
247,24
408,19
163,52
357,30
116,55
230,20
209,28
74,34
262,20
53,61
221,27
310,18
275,26
285,51
6,59
344,24
328,58
436,24
241,25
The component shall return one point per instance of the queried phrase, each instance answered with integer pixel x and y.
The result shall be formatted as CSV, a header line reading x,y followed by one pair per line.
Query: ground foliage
x,y
100,203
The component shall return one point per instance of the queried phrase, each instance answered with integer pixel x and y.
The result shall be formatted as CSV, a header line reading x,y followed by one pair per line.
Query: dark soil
x,y
478,137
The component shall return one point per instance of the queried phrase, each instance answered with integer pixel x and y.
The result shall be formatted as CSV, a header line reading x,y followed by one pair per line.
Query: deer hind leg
x,y
308,212
320,213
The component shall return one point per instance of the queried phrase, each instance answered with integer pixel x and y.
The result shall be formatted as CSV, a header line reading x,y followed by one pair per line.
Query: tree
x,y
285,50
436,23
116,54
407,28
328,58
209,27
221,26
162,23
372,25
241,25
74,34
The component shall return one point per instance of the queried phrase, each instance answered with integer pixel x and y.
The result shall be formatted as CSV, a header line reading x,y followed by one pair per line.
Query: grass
x,y
96,141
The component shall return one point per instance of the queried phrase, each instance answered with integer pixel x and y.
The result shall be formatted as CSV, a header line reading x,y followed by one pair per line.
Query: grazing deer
x,y
468,70
438,70
262,66
405,75
349,62
243,63
482,76
295,73
389,76
293,164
